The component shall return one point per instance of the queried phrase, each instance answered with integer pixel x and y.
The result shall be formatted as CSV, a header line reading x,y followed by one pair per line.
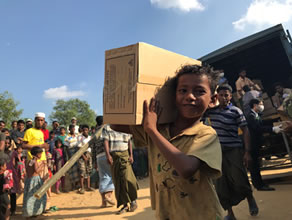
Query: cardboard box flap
x,y
152,58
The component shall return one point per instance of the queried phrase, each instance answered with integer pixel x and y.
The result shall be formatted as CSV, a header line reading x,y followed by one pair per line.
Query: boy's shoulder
x,y
200,130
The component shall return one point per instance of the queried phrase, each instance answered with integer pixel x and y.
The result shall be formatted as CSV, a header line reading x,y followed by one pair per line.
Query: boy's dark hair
x,y
85,126
2,162
254,102
213,75
246,88
99,120
62,127
278,84
58,141
92,127
224,87
71,126
36,150
20,121
1,121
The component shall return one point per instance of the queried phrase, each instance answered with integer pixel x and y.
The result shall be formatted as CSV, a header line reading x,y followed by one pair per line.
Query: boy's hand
x,y
151,114
131,159
246,159
109,159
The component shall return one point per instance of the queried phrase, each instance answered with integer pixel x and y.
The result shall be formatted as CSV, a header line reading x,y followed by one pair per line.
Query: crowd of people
x,y
198,163
30,154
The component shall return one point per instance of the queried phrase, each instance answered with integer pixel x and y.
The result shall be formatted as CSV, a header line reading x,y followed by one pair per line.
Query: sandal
x,y
123,210
54,208
133,206
81,191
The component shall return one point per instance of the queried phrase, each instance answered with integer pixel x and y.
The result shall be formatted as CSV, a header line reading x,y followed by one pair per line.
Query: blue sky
x,y
52,49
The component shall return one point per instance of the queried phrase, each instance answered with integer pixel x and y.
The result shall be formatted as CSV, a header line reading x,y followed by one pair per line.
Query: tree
x,y
65,110
8,111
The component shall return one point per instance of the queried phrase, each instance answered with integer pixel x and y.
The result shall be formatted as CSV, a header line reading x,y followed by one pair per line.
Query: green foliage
x,y
65,110
8,111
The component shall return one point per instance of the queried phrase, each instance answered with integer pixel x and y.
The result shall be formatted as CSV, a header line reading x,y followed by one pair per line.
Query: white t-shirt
x,y
81,140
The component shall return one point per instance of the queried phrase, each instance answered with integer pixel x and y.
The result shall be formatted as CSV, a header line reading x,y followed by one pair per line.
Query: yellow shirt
x,y
174,197
34,137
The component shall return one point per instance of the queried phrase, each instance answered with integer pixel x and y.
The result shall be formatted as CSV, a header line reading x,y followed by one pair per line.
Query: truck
x,y
267,58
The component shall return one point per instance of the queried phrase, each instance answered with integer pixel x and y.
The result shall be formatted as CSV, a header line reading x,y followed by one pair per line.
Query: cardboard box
x,y
135,73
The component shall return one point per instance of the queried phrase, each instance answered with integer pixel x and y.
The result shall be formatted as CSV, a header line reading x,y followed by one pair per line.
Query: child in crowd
x,y
62,135
16,165
185,155
4,200
85,161
8,147
71,149
31,205
51,141
59,161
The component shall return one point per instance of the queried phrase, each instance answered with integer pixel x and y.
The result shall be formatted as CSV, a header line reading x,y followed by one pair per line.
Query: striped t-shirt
x,y
226,123
118,141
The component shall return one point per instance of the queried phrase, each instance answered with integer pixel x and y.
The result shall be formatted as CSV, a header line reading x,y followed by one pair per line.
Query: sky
x,y
52,49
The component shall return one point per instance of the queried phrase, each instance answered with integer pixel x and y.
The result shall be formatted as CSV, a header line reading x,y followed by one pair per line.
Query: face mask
x,y
261,108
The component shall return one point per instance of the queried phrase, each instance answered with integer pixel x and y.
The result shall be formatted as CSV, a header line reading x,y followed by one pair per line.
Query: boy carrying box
x,y
185,155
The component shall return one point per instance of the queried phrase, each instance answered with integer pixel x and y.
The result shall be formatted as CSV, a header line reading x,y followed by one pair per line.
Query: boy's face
x,y
72,130
224,97
20,126
62,131
85,131
193,95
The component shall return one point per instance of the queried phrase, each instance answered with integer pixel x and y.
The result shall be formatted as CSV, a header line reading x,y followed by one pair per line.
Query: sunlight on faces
x,y
193,95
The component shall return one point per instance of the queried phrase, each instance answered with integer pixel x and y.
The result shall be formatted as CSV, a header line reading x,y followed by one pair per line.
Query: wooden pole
x,y
44,188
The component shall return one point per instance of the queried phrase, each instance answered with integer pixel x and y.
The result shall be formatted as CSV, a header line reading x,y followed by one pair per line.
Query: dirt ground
x,y
272,205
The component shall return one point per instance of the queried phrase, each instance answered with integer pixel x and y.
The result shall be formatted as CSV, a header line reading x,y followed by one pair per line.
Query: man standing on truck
x,y
243,81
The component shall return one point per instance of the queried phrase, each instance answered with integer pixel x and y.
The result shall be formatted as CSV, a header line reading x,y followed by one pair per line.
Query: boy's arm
x,y
107,152
130,149
185,165
246,139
